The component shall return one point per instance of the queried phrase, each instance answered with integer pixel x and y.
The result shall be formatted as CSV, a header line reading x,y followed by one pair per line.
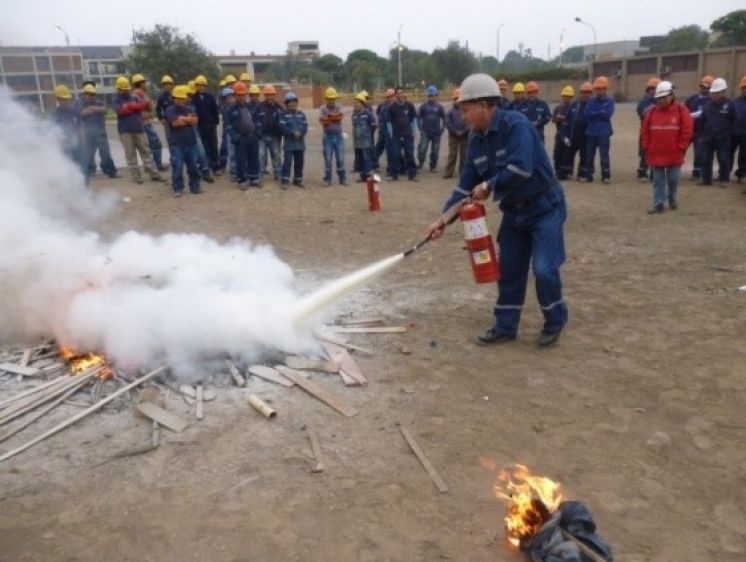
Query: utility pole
x,y
498,41
69,57
399,48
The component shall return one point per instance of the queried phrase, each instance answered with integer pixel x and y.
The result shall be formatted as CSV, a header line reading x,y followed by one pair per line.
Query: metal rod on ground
x,y
59,427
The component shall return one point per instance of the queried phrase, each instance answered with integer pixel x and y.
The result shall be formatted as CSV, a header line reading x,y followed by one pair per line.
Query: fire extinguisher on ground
x,y
479,243
374,194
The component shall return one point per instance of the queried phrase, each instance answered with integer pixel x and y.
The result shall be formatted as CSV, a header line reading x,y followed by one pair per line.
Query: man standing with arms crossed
x,y
507,159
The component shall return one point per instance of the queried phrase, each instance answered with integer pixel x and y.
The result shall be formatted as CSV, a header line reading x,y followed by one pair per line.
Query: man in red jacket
x,y
666,131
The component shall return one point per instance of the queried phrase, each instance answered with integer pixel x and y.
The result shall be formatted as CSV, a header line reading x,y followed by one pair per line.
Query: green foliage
x,y
453,64
165,50
732,29
331,65
549,73
515,62
685,38
287,69
364,70
573,54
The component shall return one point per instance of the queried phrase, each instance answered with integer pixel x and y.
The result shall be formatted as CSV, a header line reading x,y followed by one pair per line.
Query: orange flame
x,y
81,362
521,490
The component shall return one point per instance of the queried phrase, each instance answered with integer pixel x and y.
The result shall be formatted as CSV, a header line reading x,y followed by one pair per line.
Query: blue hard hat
x,y
432,91
226,92
290,96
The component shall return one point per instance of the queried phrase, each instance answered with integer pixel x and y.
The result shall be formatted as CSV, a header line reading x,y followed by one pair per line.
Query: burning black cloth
x,y
549,544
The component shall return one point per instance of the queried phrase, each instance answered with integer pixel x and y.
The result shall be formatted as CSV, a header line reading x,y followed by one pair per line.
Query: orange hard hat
x,y
706,80
743,82
390,93
268,89
532,87
240,89
457,92
653,82
601,83
586,87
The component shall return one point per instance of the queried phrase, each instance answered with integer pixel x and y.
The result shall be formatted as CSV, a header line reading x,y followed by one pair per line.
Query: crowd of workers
x,y
259,130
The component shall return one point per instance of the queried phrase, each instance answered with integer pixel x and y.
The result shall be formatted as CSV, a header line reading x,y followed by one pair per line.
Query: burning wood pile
x,y
544,526
88,381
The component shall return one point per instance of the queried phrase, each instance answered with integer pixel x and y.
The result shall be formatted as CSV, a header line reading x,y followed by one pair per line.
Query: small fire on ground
x,y
531,501
80,362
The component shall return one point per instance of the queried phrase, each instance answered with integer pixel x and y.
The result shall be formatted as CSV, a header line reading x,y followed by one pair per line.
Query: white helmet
x,y
478,86
663,89
718,85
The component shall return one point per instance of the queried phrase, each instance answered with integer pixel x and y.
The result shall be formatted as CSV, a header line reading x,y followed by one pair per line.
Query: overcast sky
x,y
343,26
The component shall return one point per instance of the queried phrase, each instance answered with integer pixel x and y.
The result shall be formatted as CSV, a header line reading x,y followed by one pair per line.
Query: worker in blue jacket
x,y
507,159
227,99
67,118
245,130
599,112
294,127
646,103
739,134
578,138
431,118
382,116
208,114
92,117
458,137
695,104
562,117
402,126
718,122
271,140
535,110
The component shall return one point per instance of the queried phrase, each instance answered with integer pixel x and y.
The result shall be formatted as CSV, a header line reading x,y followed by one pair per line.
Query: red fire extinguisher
x,y
374,195
479,243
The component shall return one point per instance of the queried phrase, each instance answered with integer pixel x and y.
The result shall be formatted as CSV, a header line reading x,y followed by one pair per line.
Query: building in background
x,y
103,64
308,50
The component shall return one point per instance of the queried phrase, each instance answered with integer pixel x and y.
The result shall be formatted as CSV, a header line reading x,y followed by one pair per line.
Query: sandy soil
x,y
655,344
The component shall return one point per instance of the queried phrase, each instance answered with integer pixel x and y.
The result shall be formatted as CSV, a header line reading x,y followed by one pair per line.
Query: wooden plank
x,y
26,357
316,448
369,330
424,460
329,338
317,391
54,382
295,362
235,373
200,412
19,369
348,369
270,374
162,416
362,321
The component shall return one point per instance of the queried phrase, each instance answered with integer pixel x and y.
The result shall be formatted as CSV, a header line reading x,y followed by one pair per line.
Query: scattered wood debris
x,y
262,407
427,465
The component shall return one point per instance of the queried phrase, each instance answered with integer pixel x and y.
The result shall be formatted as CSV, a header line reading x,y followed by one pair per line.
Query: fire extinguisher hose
x,y
449,217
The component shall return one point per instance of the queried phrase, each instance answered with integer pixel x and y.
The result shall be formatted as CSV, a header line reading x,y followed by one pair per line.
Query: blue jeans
x,y
247,158
209,136
381,146
204,165
534,234
739,143
292,158
699,157
156,148
334,147
232,167
97,140
396,145
223,154
665,177
272,144
433,139
181,155
364,162
721,148
602,144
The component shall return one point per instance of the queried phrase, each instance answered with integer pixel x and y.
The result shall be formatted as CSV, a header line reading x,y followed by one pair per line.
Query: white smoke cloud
x,y
140,299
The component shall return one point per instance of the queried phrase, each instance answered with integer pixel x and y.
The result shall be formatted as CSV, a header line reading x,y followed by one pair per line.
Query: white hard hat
x,y
663,89
478,86
718,85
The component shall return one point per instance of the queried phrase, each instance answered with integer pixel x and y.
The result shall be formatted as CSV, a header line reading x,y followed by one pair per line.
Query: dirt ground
x,y
655,344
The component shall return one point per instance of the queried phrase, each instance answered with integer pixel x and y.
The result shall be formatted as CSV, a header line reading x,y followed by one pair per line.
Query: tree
x,y
454,63
731,28
286,69
331,65
364,69
165,50
573,54
685,38
418,69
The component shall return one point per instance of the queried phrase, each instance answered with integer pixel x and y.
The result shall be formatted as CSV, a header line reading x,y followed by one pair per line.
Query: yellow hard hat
x,y
190,86
123,83
166,79
519,88
361,97
200,81
180,92
331,94
245,76
568,92
365,94
230,79
138,78
61,92
221,83
89,89
254,89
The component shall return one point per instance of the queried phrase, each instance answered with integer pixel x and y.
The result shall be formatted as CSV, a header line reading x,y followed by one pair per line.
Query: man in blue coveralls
x,y
507,159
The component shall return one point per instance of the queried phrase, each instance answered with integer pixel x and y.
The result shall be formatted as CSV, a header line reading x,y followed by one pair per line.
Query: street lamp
x,y
399,49
69,55
498,41
562,45
595,44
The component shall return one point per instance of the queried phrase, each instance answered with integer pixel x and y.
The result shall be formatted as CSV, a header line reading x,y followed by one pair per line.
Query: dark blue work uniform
x,y
511,159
